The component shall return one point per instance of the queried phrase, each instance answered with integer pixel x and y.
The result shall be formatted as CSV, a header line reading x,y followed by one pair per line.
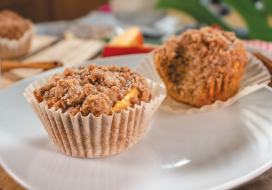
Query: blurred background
x,y
51,10
250,19
74,31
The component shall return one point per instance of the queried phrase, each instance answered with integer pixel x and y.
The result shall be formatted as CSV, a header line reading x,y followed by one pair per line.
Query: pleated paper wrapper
x,y
14,48
256,76
95,137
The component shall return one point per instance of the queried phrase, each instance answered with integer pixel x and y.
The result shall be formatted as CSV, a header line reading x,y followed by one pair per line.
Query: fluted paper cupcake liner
x,y
15,48
256,76
95,137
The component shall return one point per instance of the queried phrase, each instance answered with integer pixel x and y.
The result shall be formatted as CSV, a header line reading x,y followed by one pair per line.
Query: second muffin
x,y
201,66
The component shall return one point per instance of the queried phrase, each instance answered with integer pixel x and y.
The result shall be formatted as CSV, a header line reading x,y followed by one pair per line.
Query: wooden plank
x,y
68,51
7,183
5,82
5,4
71,9
35,10
39,42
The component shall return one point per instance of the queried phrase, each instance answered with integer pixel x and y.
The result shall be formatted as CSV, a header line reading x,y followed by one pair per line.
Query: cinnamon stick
x,y
266,61
7,65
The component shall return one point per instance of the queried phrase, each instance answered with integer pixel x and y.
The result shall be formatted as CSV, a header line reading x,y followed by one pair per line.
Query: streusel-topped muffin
x,y
201,66
95,111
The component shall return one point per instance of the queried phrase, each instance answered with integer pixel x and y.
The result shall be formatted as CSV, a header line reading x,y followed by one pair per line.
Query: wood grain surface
x,y
67,51
7,183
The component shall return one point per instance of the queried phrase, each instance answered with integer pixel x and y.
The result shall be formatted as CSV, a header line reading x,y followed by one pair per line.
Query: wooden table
x,y
7,183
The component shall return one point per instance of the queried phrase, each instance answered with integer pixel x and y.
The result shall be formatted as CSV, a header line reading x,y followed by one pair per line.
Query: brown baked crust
x,y
12,26
201,66
93,89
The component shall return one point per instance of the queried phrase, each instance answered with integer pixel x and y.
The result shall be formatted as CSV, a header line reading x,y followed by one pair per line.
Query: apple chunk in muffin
x,y
125,102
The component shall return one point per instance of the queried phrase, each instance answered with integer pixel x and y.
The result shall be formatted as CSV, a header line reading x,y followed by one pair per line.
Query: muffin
x,y
95,111
15,34
202,66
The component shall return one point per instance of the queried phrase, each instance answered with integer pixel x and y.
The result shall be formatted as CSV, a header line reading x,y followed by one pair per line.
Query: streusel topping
x,y
93,89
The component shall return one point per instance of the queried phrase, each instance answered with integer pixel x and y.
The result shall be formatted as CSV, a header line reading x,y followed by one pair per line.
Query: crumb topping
x,y
93,89
12,26
201,66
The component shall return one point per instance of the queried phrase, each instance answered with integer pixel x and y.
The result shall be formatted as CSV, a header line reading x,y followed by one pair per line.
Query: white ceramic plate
x,y
215,150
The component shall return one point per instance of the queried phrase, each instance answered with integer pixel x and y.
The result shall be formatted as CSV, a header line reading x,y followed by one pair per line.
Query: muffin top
x,y
201,66
12,26
94,89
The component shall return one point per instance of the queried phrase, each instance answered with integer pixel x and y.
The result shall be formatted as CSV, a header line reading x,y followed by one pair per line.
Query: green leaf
x,y
196,9
255,19
268,6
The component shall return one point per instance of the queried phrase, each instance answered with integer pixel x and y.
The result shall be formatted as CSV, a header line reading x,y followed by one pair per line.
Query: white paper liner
x,y
15,48
255,77
95,137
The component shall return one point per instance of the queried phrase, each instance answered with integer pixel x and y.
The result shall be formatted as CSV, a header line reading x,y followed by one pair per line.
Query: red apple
x,y
132,37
